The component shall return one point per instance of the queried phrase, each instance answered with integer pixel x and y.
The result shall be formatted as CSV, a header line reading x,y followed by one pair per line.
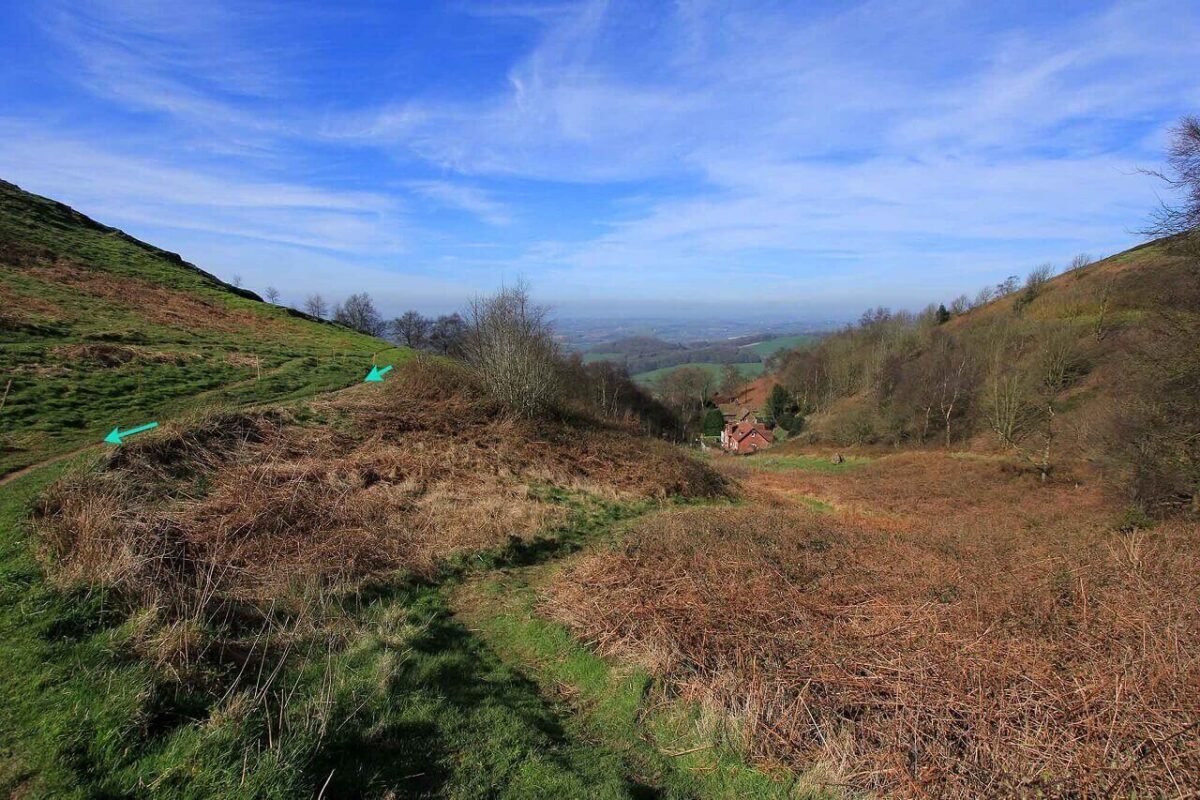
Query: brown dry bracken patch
x,y
249,505
955,630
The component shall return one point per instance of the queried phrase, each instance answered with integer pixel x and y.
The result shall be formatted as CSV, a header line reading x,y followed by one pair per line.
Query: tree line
x,y
442,334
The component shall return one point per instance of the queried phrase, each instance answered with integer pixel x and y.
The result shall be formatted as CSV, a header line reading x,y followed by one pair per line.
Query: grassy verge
x,y
669,744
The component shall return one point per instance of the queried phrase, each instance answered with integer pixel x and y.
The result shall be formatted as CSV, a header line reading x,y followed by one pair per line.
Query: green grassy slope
x,y
98,329
769,347
748,370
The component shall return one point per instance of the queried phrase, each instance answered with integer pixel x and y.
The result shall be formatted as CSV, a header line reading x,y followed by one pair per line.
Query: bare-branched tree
x,y
358,312
446,334
412,329
272,295
731,379
315,306
1182,177
510,345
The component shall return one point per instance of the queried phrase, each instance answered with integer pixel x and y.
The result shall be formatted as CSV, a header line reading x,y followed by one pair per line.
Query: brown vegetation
x,y
407,473
955,629
153,302
114,355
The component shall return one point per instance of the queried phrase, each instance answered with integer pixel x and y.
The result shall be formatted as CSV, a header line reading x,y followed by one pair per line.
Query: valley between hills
x,y
966,565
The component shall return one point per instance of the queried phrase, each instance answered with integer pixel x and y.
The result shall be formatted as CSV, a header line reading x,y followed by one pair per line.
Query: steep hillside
x,y
98,329
1096,365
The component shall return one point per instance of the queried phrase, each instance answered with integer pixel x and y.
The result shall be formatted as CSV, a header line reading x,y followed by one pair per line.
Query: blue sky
x,y
794,160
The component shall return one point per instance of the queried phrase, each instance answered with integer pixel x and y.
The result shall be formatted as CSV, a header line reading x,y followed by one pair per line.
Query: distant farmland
x,y
769,347
749,371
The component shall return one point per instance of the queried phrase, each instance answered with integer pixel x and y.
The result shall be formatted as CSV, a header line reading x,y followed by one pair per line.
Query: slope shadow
x,y
457,718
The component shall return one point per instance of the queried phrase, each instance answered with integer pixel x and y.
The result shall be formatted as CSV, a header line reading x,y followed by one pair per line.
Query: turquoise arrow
x,y
376,374
114,436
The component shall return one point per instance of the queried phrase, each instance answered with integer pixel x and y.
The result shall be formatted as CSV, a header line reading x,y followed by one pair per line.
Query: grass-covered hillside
x,y
98,329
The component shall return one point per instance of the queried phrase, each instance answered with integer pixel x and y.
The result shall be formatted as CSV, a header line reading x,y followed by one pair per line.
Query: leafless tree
x,y
314,306
1182,177
1035,284
510,345
1080,261
1038,277
731,379
1101,329
687,388
412,329
236,280
984,297
1057,360
447,333
953,379
1007,405
1023,392
272,295
358,312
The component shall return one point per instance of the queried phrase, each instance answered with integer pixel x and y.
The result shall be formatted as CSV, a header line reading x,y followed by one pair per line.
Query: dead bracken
x,y
962,657
398,477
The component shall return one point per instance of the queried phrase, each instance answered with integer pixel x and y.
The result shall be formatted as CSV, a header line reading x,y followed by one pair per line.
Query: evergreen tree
x,y
714,422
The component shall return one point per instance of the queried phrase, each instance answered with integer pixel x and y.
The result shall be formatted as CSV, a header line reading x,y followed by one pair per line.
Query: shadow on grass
x,y
456,721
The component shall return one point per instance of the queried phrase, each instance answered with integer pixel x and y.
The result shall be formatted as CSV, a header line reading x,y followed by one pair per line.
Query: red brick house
x,y
746,436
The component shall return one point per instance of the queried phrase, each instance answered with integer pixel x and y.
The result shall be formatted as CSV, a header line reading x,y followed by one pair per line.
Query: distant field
x,y
748,370
588,358
771,346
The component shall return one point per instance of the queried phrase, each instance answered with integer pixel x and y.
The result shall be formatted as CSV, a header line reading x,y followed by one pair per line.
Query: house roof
x,y
735,411
740,430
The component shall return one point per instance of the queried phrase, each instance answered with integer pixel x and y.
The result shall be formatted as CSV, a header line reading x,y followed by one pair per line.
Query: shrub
x,y
509,344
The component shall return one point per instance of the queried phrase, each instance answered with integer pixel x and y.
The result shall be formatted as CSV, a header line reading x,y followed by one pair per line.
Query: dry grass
x,y
114,355
151,301
250,506
955,631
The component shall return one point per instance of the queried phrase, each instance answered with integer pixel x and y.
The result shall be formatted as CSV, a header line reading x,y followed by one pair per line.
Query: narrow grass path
x,y
667,743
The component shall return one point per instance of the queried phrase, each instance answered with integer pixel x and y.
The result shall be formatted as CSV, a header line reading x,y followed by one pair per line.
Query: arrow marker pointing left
x,y
115,435
376,374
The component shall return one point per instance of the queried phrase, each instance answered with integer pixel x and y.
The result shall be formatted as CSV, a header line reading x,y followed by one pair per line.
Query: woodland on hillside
x,y
1099,362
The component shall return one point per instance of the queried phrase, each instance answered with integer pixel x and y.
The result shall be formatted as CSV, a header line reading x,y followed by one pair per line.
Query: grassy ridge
x,y
99,329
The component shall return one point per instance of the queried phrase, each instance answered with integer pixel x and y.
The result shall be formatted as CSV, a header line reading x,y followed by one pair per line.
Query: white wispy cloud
x,y
463,197
126,188
862,133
